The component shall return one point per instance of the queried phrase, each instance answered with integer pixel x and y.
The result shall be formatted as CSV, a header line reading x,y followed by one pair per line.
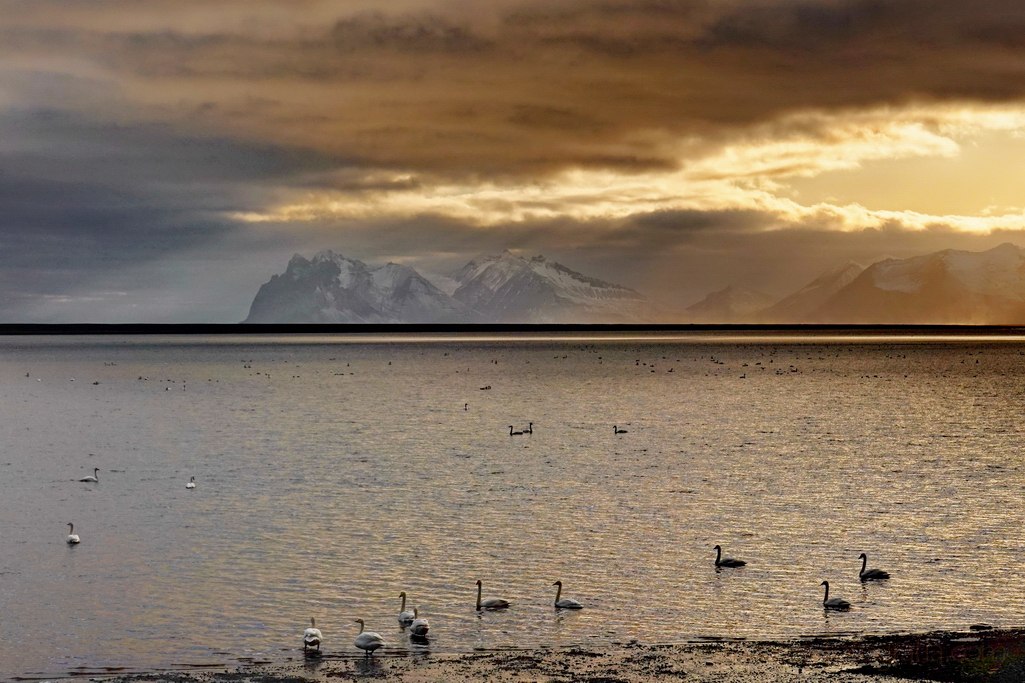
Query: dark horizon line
x,y
14,329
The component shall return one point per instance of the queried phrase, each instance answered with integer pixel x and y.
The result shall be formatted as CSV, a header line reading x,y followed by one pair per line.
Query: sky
x,y
160,159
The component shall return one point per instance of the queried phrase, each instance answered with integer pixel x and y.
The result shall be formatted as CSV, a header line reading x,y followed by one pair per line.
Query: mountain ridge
x,y
332,288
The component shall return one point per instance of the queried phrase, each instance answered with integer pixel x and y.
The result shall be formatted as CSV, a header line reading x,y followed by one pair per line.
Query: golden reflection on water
x,y
330,477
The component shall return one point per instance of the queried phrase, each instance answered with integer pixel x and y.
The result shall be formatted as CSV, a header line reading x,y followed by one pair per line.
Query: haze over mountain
x,y
803,305
946,287
332,288
731,304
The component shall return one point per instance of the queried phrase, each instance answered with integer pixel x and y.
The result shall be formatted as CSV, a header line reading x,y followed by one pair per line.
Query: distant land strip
x,y
495,328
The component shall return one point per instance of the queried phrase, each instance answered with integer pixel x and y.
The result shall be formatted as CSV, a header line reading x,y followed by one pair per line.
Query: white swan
x,y
405,616
512,433
490,603
870,574
367,640
92,477
617,430
419,626
191,484
565,603
721,561
312,636
833,603
73,538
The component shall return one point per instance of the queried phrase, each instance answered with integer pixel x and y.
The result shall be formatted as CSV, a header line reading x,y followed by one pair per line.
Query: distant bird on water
x,y
617,430
94,477
312,637
564,603
405,616
833,603
367,641
870,574
721,561
191,484
490,603
529,429
512,433
72,538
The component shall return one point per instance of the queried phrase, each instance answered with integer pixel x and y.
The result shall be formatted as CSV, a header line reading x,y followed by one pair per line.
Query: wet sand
x,y
974,656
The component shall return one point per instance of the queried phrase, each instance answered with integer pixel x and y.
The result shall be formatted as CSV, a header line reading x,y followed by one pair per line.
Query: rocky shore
x,y
983,655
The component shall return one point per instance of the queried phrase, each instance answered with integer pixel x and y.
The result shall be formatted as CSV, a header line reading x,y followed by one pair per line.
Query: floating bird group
x,y
368,641
418,626
833,603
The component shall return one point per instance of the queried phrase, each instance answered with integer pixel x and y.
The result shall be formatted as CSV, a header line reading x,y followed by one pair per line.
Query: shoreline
x,y
974,656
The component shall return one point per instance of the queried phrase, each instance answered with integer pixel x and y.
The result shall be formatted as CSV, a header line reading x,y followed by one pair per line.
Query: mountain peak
x,y
331,288
952,286
501,288
510,288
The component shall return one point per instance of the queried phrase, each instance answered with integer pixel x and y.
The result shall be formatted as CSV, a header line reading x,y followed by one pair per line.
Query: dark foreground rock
x,y
990,656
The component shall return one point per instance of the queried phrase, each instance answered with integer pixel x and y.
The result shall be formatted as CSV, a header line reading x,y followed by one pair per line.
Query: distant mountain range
x,y
504,288
946,287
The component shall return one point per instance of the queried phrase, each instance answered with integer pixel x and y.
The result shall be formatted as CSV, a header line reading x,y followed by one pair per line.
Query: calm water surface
x,y
332,474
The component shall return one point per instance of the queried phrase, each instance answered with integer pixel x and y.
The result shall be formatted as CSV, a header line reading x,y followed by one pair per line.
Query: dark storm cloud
x,y
679,223
527,88
131,130
82,199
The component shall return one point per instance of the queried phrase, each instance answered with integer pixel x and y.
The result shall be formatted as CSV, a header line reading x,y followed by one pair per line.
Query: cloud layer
x,y
618,132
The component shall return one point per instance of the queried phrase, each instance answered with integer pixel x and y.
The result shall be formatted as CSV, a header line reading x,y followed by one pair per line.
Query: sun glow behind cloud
x,y
752,169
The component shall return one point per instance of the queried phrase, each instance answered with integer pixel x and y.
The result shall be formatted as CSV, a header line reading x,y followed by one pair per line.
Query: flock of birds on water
x,y
418,627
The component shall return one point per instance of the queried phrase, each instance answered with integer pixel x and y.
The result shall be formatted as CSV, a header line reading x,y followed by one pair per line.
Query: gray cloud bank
x,y
129,133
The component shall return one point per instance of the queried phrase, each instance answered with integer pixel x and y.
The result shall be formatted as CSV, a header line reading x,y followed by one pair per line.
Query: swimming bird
x,y
312,636
191,484
92,477
833,603
564,603
73,538
512,433
405,616
721,561
490,603
419,626
617,430
529,429
367,640
871,574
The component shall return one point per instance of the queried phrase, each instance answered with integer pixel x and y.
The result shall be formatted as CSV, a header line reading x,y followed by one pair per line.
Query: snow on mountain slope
x,y
945,287
508,288
331,288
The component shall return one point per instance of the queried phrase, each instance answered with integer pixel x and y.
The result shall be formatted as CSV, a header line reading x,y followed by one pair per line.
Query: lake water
x,y
334,472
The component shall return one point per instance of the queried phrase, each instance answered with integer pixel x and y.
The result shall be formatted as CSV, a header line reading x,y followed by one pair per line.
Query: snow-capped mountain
x,y
331,288
801,306
730,305
509,288
946,287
